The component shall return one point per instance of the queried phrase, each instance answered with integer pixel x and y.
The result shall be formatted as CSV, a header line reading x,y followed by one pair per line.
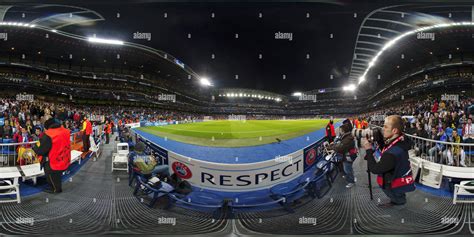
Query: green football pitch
x,y
225,133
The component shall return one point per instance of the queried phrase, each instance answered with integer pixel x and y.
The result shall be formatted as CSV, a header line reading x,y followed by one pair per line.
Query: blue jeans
x,y
396,198
349,171
161,169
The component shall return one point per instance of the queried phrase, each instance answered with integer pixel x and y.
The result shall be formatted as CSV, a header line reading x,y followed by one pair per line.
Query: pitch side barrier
x,y
238,178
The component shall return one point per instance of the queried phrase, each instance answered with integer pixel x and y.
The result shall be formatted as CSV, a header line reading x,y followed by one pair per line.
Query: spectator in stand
x,y
455,154
437,152
37,135
468,131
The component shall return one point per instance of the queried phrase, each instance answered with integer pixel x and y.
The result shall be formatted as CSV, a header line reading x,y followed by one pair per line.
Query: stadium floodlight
x,y
361,79
104,41
278,99
350,87
240,95
297,94
205,82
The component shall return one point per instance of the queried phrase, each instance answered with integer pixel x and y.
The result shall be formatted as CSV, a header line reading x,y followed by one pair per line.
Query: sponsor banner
x,y
236,177
312,154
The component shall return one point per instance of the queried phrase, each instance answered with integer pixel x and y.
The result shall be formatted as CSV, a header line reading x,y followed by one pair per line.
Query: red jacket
x,y
60,153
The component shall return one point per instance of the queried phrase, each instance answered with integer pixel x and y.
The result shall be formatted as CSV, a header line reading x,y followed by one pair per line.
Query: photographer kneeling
x,y
346,147
391,164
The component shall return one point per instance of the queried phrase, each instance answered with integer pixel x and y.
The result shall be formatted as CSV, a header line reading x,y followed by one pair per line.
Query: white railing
x,y
15,154
441,152
10,152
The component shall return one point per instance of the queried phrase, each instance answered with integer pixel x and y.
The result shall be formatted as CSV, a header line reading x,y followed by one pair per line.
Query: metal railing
x,y
441,152
14,154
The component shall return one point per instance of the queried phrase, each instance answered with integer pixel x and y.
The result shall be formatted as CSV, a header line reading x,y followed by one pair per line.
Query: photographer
x,y
391,164
346,148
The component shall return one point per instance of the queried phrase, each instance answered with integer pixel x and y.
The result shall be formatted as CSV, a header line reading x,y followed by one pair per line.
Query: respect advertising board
x,y
237,177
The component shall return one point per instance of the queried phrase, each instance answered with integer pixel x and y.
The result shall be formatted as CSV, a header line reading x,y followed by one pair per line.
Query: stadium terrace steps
x,y
96,201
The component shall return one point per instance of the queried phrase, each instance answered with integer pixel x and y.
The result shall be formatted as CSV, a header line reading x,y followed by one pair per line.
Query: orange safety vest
x,y
365,124
108,128
60,153
88,127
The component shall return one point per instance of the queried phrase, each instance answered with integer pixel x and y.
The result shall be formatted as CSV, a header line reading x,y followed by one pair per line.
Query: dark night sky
x,y
256,36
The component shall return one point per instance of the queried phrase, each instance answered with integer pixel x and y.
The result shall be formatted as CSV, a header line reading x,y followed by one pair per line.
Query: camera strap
x,y
392,143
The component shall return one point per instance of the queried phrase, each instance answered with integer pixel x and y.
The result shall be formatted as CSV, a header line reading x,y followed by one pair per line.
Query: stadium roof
x,y
278,47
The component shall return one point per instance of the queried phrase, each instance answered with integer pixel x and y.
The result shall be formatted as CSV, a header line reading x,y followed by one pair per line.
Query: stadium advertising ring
x,y
181,170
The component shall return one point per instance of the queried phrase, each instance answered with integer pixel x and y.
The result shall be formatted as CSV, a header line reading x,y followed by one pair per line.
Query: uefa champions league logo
x,y
181,170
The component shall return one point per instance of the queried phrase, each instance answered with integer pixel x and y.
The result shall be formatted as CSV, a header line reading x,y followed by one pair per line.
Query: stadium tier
x,y
236,118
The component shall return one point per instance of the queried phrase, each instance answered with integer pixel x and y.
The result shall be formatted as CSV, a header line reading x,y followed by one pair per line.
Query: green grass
x,y
224,133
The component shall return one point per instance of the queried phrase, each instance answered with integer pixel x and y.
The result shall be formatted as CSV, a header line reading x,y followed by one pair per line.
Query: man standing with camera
x,y
391,164
345,147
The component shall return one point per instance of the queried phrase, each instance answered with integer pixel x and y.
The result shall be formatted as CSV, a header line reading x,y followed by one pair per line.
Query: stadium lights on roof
x,y
297,94
16,24
350,87
393,41
104,41
205,82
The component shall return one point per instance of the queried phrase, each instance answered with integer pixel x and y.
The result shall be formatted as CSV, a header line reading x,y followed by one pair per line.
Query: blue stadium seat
x,y
449,132
288,191
321,179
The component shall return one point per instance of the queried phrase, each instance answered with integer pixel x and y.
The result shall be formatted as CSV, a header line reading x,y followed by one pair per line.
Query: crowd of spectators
x,y
439,120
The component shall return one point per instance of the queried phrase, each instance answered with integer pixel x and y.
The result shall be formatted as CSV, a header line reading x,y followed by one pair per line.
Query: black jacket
x,y
387,163
346,143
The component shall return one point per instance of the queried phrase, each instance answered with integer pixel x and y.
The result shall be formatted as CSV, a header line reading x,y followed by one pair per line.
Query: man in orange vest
x,y
86,132
108,130
54,149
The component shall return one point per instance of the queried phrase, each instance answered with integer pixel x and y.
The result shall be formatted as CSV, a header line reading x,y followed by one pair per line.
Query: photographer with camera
x,y
345,147
391,163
